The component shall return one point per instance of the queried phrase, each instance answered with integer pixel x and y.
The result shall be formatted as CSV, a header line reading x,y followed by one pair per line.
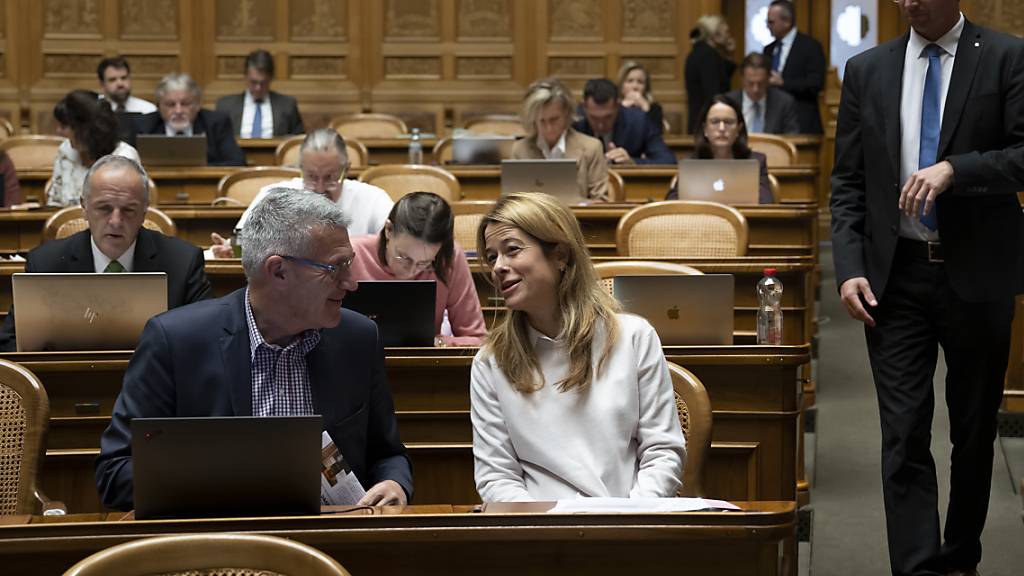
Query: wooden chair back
x,y
24,420
400,179
209,555
369,126
607,271
467,215
694,409
682,229
780,152
616,187
71,220
239,188
6,128
31,151
287,152
500,124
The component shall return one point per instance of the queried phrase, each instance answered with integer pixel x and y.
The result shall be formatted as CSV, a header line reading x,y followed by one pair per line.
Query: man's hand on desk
x,y
617,155
221,246
384,493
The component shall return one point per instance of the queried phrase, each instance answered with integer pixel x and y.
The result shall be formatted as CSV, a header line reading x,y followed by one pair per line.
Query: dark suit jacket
x,y
634,131
706,73
779,111
803,78
195,361
221,147
154,252
982,136
287,119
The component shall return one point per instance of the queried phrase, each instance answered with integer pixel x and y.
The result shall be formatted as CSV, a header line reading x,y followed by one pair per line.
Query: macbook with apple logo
x,y
685,310
723,181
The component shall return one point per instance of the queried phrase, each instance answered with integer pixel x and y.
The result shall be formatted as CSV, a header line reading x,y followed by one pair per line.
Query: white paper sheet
x,y
338,485
635,505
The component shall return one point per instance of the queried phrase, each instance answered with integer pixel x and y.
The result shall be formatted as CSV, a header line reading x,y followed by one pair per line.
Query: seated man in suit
x,y
178,97
628,135
324,163
115,197
116,87
259,112
766,109
283,346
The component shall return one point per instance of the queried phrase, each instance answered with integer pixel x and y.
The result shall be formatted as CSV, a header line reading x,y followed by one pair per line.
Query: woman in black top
x,y
708,69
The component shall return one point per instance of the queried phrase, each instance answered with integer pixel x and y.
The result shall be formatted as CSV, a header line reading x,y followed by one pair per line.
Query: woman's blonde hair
x,y
582,302
539,95
627,67
707,25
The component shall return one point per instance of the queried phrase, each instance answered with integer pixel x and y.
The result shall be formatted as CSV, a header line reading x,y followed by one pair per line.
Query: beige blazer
x,y
591,168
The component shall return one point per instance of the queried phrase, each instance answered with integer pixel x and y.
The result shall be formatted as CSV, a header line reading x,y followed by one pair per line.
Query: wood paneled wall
x,y
434,62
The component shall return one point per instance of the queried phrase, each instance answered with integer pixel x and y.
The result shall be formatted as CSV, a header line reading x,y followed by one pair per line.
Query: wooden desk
x,y
261,151
193,185
753,391
508,539
808,147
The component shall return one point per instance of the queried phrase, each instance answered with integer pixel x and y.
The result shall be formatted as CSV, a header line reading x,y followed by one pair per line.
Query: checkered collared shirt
x,y
280,378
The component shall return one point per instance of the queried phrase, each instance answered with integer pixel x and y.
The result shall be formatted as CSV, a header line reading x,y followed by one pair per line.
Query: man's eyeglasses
x,y
330,183
332,270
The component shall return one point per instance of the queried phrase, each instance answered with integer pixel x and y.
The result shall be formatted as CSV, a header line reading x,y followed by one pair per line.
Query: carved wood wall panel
x,y
1003,15
412,20
484,21
149,19
71,18
649,20
318,20
245,20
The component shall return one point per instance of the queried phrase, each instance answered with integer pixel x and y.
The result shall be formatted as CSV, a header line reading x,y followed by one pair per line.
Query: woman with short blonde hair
x,y
635,90
569,396
547,116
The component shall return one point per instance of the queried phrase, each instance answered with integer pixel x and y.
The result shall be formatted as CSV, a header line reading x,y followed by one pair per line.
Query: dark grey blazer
x,y
982,136
779,112
196,361
287,119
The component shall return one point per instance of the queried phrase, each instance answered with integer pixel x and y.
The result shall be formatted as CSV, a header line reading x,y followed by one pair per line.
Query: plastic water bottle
x,y
769,309
415,147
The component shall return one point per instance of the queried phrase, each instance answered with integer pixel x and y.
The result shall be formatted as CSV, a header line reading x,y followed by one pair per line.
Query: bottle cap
x,y
769,271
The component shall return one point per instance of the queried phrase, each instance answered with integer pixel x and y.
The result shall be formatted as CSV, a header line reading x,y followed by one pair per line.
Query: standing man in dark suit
x,y
766,109
282,346
798,64
180,114
114,198
628,135
259,112
926,231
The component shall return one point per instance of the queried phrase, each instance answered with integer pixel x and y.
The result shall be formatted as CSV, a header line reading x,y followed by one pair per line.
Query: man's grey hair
x,y
116,162
324,140
176,81
283,224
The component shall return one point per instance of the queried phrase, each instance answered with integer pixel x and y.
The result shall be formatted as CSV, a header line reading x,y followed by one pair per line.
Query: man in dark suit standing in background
x,y
180,113
927,232
114,198
628,135
766,109
259,112
798,64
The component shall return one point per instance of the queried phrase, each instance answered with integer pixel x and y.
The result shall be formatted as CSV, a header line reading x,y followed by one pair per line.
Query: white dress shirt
x,y
556,153
186,131
748,110
366,205
620,436
134,105
787,45
249,113
100,260
915,68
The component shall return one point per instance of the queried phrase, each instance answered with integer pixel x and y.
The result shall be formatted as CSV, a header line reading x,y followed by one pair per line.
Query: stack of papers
x,y
638,505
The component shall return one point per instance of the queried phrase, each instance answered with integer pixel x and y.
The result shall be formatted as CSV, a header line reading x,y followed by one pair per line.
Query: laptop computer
x,y
226,466
159,150
481,150
554,177
685,310
402,309
85,311
722,181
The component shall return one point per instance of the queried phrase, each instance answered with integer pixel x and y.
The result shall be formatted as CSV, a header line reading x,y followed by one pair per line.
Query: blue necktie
x,y
777,57
931,122
257,120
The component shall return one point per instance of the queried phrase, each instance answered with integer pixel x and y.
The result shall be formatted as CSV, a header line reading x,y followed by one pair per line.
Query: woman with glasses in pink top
x,y
417,243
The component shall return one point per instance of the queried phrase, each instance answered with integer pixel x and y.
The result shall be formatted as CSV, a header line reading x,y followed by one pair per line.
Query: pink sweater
x,y
459,296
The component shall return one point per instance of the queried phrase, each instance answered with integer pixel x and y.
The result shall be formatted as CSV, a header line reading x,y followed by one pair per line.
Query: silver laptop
x,y
722,181
158,150
554,177
84,311
481,150
685,310
226,467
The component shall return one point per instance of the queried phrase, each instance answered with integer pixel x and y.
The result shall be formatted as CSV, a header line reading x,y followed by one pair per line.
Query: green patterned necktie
x,y
114,266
